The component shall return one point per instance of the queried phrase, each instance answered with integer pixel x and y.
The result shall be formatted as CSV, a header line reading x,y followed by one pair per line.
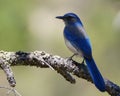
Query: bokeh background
x,y
30,25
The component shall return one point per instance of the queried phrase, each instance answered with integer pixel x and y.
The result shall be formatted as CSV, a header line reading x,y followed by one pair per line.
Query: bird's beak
x,y
60,17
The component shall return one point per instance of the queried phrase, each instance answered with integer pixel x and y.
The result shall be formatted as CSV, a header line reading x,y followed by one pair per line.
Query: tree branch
x,y
42,59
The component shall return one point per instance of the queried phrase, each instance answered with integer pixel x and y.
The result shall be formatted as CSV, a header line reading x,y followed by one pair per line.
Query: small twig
x,y
8,71
11,89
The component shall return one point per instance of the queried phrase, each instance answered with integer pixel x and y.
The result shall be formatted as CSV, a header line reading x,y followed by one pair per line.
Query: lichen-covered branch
x,y
65,67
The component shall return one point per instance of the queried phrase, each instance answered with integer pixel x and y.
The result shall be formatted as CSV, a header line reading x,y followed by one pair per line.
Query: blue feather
x,y
95,74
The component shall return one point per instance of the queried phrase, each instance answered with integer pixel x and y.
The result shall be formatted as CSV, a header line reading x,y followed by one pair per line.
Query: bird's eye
x,y
69,17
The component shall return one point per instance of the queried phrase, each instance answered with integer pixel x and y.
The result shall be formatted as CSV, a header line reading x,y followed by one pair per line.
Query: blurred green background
x,y
30,25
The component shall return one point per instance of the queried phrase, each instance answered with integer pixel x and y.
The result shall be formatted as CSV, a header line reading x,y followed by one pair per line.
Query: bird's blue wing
x,y
78,40
83,45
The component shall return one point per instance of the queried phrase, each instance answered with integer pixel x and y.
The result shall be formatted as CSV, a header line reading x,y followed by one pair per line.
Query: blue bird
x,y
77,40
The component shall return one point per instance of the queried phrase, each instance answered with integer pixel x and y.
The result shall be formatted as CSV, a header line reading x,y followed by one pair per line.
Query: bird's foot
x,y
83,62
71,57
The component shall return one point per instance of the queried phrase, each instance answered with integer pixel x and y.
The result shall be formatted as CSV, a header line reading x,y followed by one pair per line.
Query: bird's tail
x,y
95,74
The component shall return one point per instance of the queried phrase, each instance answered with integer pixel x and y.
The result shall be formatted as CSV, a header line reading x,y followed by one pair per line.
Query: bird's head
x,y
70,18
